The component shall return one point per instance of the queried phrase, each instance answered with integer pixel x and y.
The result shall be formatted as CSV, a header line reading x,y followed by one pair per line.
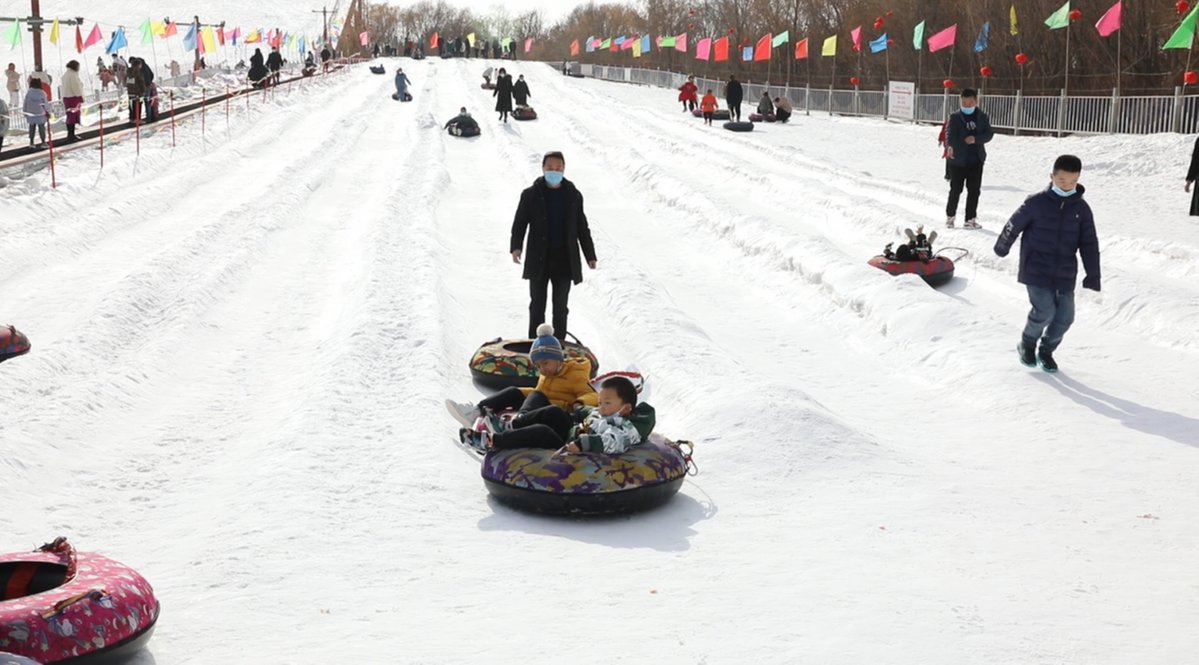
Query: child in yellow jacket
x,y
563,383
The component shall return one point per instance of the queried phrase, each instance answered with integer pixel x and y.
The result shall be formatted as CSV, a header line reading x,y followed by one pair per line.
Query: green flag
x,y
669,42
607,43
13,35
147,32
781,39
1060,18
918,36
1184,36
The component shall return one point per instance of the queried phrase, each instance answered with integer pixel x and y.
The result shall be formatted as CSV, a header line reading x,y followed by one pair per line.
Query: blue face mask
x,y
554,178
1061,192
968,110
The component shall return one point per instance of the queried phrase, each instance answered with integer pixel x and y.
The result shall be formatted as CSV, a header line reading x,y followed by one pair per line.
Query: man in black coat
x,y
552,212
733,94
966,136
274,62
1055,227
503,94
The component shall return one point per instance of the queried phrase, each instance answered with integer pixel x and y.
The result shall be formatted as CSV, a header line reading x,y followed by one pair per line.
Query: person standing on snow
x,y
551,210
503,94
520,91
402,84
688,93
733,94
1055,226
966,135
274,62
72,97
13,84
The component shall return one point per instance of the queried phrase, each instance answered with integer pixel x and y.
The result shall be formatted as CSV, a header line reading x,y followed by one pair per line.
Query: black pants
x,y
546,427
512,398
972,178
556,271
707,117
781,115
735,110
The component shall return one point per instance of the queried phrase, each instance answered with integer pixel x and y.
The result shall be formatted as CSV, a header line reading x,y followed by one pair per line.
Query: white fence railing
x,y
1060,114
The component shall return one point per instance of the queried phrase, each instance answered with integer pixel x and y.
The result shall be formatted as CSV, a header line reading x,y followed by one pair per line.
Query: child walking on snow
x,y
708,106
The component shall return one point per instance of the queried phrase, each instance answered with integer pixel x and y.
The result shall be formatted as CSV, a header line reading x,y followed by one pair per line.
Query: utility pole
x,y
35,21
196,24
324,12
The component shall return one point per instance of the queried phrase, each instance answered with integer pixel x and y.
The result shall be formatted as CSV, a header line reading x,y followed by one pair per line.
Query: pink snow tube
x,y
59,605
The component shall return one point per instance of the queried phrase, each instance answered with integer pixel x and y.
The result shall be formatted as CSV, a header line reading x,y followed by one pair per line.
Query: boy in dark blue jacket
x,y
1057,226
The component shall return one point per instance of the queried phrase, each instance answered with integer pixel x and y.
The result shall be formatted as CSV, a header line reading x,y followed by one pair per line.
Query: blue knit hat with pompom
x,y
546,346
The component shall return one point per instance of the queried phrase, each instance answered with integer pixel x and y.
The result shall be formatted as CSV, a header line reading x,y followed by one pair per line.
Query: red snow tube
x,y
739,126
524,113
13,343
936,271
758,117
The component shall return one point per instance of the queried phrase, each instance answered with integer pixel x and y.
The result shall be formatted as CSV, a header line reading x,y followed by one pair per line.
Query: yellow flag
x,y
209,38
54,32
830,46
636,47
158,28
471,39
1015,31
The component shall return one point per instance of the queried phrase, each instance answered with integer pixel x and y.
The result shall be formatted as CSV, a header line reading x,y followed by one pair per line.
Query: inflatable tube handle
x,y
94,595
963,253
61,547
692,467
576,339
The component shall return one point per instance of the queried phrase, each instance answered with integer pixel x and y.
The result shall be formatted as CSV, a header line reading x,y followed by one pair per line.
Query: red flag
x,y
277,40
78,40
95,37
801,49
762,49
574,47
433,40
171,29
722,49
220,36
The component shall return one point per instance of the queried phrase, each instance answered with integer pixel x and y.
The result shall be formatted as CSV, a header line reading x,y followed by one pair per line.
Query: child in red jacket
x,y
708,106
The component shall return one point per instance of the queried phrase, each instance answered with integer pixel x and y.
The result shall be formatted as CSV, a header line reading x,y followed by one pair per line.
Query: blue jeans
x,y
1050,309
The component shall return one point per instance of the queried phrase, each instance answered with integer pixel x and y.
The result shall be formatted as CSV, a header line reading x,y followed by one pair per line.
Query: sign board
x,y
901,100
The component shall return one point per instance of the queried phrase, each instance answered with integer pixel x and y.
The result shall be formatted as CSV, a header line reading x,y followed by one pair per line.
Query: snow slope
x,y
241,348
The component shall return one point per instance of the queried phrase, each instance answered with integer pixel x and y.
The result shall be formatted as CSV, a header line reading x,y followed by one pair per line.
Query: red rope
x,y
61,547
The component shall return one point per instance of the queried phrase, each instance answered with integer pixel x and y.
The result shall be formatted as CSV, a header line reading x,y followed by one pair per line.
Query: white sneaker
x,y
465,413
949,222
972,224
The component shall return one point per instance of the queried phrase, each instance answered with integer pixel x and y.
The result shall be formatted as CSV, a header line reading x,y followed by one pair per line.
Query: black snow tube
x,y
378,69
463,132
739,126
407,96
718,114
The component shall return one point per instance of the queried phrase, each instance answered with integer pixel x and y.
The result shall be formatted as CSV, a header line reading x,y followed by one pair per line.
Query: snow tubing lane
x,y
501,363
643,477
47,615
758,117
718,114
739,126
935,272
525,113
13,343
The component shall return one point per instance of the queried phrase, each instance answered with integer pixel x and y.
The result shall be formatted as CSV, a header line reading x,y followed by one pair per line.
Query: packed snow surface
x,y
241,348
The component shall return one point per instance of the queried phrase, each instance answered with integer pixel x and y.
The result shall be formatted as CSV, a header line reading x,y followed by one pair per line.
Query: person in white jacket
x,y
13,84
72,97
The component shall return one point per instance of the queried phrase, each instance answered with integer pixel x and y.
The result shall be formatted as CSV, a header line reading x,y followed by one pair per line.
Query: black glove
x,y
1091,283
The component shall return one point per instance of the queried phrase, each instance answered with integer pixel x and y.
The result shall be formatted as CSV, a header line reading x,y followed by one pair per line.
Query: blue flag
x,y
879,44
303,46
619,40
645,44
189,40
747,53
118,42
984,36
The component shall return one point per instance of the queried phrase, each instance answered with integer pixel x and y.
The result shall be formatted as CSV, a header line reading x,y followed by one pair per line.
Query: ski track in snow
x,y
241,348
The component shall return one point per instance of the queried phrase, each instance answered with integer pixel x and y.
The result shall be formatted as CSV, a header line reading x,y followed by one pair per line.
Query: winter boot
x,y
465,413
972,223
949,221
493,423
480,441
1047,362
1027,353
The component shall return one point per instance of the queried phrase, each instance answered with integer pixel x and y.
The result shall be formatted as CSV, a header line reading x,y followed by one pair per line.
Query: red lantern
x,y
692,12
890,14
1182,6
731,31
947,83
878,24
986,71
1190,77
1075,14
690,26
890,42
1021,58
854,81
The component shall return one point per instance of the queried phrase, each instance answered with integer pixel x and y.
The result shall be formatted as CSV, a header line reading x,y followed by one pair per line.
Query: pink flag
x,y
1110,21
364,38
703,48
680,43
856,33
95,37
943,39
659,41
627,43
528,44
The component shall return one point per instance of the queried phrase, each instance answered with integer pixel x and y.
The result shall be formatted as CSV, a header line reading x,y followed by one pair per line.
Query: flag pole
x,y
1066,84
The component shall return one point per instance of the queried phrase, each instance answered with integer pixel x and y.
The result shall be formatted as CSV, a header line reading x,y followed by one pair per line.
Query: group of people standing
x,y
506,91
734,94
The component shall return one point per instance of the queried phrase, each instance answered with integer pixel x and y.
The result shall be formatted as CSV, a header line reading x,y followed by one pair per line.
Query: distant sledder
x,y
13,343
916,257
